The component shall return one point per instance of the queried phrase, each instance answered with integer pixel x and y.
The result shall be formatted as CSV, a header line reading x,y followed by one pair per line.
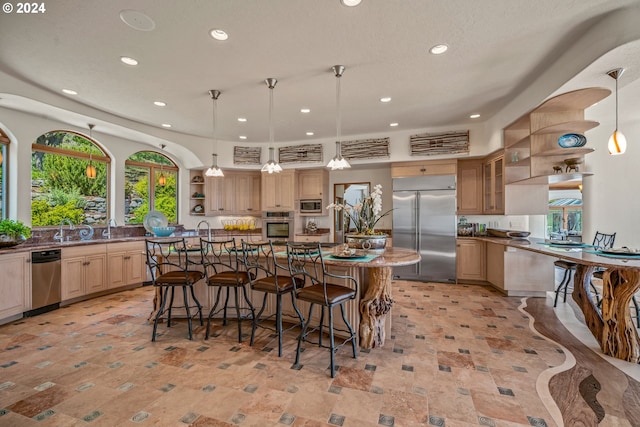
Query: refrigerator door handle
x,y
417,222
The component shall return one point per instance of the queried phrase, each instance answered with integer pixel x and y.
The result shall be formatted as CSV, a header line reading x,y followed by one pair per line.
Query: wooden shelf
x,y
526,162
521,144
574,126
575,100
580,151
552,179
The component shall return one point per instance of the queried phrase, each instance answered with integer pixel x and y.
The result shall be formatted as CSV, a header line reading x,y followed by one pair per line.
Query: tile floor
x,y
458,356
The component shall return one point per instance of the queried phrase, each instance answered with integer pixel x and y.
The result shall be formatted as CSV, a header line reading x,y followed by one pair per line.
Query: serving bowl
x,y
163,231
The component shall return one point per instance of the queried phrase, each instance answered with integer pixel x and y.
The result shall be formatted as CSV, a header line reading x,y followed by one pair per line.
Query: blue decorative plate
x,y
572,140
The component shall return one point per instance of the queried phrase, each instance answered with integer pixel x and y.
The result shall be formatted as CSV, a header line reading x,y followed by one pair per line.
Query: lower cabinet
x,y
126,264
83,270
15,292
470,260
322,238
519,272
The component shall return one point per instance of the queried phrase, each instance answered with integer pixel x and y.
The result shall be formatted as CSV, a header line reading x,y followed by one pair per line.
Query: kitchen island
x,y
612,326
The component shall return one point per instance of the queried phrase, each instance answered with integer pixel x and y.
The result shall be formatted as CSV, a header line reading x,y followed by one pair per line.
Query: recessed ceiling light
x,y
309,133
385,99
474,116
219,34
70,92
166,125
137,20
394,124
242,119
439,49
305,110
128,60
160,103
350,3
242,137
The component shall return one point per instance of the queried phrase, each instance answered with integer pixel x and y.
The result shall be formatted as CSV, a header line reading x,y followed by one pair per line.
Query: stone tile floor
x,y
459,355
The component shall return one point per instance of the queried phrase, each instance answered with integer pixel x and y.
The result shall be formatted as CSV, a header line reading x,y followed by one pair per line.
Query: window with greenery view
x,y
144,190
564,217
60,188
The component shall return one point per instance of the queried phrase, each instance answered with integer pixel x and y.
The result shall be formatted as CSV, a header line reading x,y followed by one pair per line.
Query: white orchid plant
x,y
366,214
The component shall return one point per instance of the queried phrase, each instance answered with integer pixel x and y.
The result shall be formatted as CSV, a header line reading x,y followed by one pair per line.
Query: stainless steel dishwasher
x,y
45,281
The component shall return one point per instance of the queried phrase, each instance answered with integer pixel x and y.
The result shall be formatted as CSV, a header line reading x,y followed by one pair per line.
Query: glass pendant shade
x,y
617,141
338,162
91,170
214,170
162,180
271,166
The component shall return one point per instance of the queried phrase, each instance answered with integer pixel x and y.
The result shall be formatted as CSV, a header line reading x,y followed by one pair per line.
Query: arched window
x,y
141,192
4,158
60,186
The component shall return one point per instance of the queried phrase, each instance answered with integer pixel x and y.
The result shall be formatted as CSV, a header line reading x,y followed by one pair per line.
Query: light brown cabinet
x,y
126,264
278,191
247,193
16,285
321,238
423,168
83,270
470,260
313,184
493,184
219,193
469,187
237,193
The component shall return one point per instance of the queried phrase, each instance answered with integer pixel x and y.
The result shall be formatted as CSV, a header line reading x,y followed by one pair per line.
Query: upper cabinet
x,y
493,184
423,168
278,191
313,184
236,193
469,187
532,153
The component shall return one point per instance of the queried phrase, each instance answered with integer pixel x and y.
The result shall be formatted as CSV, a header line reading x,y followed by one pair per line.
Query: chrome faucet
x,y
208,228
60,234
107,233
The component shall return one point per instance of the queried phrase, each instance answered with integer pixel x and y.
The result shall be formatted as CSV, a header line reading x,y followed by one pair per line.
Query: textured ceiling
x,y
496,49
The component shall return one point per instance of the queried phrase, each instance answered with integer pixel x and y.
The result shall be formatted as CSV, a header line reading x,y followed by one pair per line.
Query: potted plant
x,y
13,233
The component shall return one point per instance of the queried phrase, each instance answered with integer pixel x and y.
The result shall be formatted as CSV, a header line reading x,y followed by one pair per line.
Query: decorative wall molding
x,y
246,155
430,144
300,153
373,148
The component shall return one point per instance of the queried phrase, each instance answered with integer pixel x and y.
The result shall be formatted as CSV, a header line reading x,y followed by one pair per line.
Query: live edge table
x,y
612,326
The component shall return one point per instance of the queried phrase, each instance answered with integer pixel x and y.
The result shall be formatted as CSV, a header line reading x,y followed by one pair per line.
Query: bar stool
x,y
306,265
223,269
168,262
265,276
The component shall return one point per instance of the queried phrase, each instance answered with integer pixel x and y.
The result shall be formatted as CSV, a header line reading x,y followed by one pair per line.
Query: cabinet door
x,y
493,193
469,188
219,195
116,275
286,187
72,275
136,267
247,193
15,279
95,273
470,260
311,184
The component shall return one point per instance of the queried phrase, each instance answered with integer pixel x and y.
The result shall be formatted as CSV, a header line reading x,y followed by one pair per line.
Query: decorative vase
x,y
373,243
9,241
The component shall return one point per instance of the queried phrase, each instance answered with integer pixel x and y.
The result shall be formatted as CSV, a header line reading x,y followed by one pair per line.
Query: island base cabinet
x,y
15,292
519,272
126,264
470,260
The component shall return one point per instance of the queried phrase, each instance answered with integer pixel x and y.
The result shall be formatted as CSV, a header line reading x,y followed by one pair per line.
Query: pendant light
x,y
214,170
338,162
91,169
271,166
162,180
617,141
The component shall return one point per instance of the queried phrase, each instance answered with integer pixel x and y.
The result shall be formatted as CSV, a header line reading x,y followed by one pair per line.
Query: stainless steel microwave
x,y
313,206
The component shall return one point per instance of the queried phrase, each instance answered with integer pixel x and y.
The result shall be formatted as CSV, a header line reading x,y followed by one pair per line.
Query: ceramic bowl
x,y
163,231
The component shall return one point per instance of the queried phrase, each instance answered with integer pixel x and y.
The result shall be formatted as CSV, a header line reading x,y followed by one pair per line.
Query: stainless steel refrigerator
x,y
424,219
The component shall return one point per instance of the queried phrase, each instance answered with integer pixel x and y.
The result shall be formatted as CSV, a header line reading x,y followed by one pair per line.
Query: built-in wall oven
x,y
278,226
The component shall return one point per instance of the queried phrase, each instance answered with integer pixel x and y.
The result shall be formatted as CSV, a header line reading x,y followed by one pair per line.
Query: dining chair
x,y
600,241
316,286
270,277
224,269
170,267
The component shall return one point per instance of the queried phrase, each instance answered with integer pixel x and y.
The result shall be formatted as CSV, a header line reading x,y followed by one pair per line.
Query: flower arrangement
x,y
366,214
